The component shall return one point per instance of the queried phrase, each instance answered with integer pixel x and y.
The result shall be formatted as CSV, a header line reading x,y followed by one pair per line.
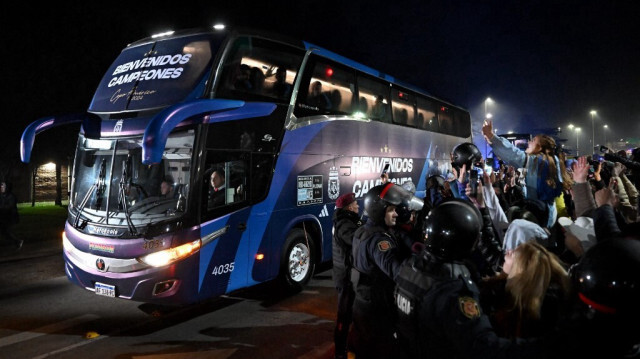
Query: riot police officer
x,y
604,318
377,257
346,220
437,301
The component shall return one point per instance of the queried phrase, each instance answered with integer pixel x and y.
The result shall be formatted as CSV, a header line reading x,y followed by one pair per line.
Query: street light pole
x,y
486,117
593,132
577,142
604,131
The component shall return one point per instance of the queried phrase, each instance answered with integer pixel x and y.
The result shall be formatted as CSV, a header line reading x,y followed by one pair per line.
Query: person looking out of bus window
x,y
216,193
379,110
346,220
545,175
317,98
166,187
242,81
256,78
281,88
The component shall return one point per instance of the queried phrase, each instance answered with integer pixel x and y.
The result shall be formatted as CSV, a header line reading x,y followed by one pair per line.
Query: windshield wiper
x,y
122,194
99,185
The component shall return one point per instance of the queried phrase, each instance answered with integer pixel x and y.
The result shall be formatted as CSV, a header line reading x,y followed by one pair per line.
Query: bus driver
x,y
216,193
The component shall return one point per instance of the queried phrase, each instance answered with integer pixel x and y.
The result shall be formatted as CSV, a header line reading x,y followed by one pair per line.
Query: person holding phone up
x,y
545,175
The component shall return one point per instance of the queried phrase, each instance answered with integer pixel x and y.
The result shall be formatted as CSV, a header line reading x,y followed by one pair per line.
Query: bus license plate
x,y
105,289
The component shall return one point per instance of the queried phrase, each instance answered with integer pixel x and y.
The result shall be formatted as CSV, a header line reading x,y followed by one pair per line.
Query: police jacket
x,y
345,223
376,258
439,315
488,255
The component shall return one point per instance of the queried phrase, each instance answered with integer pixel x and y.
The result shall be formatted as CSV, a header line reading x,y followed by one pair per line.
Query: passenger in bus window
x,y
281,88
242,81
256,77
166,187
217,191
317,98
379,110
336,99
364,106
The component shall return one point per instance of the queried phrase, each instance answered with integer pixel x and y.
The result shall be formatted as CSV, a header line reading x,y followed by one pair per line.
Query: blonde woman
x,y
534,295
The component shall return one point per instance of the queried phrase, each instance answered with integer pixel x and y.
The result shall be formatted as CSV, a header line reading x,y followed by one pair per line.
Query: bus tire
x,y
298,260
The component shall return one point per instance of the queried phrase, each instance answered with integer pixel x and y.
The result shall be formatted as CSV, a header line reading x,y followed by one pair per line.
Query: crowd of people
x,y
540,258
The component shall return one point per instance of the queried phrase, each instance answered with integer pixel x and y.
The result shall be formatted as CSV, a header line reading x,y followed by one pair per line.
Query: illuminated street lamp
x,y
604,131
593,131
486,102
576,130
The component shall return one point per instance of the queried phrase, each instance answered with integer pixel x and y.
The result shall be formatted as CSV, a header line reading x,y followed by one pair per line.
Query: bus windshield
x,y
112,186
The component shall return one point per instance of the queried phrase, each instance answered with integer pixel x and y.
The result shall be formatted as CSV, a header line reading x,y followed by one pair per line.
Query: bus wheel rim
x,y
299,262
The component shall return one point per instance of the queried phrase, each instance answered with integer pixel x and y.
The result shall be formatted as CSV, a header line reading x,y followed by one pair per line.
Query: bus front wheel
x,y
298,260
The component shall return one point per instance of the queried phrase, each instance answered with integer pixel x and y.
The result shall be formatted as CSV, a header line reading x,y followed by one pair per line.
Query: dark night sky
x,y
544,64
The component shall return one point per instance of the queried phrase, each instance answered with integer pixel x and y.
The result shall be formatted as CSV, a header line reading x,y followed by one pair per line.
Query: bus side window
x,y
375,93
403,104
445,120
326,88
426,115
461,125
259,70
225,180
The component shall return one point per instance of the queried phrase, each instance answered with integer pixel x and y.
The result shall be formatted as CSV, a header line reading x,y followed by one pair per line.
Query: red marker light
x,y
329,72
400,94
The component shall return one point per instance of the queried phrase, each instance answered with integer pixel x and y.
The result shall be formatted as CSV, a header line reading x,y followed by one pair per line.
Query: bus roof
x,y
302,45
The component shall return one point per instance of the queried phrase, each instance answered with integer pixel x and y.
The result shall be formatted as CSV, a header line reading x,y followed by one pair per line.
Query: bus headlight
x,y
168,256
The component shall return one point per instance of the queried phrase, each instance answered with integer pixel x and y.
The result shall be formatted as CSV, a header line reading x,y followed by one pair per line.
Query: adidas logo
x,y
324,212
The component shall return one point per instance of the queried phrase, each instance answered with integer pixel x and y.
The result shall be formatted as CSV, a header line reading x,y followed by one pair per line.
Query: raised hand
x,y
581,170
487,129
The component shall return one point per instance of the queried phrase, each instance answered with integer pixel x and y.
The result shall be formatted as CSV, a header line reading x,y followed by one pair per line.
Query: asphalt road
x,y
42,315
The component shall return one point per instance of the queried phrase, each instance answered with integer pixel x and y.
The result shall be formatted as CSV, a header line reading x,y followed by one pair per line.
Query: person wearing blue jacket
x,y
545,174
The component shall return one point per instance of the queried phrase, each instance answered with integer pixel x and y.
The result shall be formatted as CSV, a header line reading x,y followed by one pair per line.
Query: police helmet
x,y
409,186
608,286
465,153
435,181
405,208
452,229
380,197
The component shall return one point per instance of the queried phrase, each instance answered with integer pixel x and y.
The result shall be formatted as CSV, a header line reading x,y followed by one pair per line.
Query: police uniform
x,y
439,315
377,259
437,301
345,223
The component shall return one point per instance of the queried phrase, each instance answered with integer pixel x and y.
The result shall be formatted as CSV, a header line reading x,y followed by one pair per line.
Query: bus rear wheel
x,y
298,260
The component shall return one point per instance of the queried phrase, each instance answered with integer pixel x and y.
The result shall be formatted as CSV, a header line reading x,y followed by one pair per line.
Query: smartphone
x,y
480,172
473,181
385,170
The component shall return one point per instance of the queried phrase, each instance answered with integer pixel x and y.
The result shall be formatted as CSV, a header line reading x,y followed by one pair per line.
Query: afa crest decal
x,y
334,184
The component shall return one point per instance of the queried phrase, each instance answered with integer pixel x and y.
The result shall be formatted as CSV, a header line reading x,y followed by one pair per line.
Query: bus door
x,y
225,214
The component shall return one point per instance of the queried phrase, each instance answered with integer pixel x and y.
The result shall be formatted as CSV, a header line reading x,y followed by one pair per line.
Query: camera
x,y
604,149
